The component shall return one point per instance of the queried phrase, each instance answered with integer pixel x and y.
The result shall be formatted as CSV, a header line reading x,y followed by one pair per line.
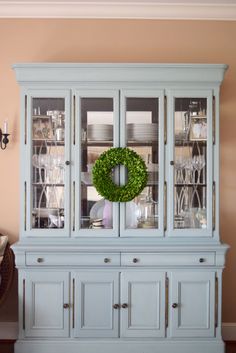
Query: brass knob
x,y
67,162
66,306
135,260
201,260
174,305
39,259
106,260
116,306
172,163
124,306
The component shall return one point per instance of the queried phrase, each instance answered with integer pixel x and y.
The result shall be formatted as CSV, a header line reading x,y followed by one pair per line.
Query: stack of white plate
x,y
142,132
100,132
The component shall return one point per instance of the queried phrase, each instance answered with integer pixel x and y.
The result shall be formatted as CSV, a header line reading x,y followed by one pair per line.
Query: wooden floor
x,y
231,347
7,346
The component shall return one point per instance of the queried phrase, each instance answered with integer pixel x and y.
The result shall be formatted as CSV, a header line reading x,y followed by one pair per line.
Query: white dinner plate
x,y
97,209
132,212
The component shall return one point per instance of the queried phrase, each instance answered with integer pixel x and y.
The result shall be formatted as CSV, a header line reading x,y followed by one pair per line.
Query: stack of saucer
x,y
142,132
100,132
97,223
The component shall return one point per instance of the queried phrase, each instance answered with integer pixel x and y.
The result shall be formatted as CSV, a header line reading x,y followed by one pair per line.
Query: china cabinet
x,y
140,276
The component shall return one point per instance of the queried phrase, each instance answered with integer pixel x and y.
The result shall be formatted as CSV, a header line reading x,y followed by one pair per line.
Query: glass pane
x,y
97,136
48,148
142,136
190,161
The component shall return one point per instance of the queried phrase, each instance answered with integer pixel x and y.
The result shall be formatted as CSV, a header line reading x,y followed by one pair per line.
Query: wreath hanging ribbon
x,y
102,174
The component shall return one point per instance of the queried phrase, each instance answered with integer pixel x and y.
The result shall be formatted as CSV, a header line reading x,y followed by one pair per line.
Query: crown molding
x,y
117,10
140,72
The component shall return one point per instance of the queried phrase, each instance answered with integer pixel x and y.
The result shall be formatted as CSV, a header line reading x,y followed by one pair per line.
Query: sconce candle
x,y
5,127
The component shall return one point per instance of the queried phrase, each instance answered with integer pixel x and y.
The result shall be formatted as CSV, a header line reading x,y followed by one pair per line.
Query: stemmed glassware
x,y
190,211
53,166
60,166
198,164
179,166
188,166
188,169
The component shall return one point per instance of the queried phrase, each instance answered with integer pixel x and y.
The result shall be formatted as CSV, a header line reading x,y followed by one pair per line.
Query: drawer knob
x,y
39,259
106,260
67,162
172,163
66,306
124,306
116,306
174,305
201,260
135,260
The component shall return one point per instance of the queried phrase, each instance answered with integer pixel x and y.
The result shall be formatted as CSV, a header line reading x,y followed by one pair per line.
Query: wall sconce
x,y
4,136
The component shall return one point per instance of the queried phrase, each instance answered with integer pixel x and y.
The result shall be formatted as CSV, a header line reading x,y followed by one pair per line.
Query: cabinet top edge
x,y
119,65
119,72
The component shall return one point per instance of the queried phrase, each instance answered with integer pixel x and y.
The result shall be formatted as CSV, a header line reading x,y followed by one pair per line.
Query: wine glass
x,y
188,165
179,165
60,165
198,164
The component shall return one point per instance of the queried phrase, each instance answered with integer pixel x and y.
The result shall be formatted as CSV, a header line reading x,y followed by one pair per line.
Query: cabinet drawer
x,y
168,259
74,259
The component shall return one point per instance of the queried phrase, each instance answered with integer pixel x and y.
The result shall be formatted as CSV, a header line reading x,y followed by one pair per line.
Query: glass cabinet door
x,y
190,169
97,130
49,139
142,130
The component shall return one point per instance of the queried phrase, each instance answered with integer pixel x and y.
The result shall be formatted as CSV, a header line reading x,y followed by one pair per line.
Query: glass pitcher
x,y
148,211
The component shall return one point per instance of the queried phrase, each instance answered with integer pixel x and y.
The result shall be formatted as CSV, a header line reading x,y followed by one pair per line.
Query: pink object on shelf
x,y
107,214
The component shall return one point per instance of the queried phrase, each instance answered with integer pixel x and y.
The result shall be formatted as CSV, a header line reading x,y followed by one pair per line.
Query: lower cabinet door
x,y
46,304
95,297
142,304
192,304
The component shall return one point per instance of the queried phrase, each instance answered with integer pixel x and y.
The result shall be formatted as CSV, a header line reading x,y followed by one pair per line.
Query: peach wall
x,y
119,41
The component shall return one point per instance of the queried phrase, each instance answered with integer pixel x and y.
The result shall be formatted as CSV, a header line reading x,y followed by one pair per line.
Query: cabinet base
x,y
118,346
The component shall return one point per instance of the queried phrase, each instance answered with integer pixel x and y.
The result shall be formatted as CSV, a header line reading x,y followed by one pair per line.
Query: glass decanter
x,y
148,211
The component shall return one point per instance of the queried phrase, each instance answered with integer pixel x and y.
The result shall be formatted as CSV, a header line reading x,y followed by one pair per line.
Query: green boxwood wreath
x,y
102,174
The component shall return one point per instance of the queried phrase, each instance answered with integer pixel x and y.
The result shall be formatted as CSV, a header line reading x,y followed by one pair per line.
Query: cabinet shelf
x,y
97,143
45,212
49,184
189,143
46,117
110,143
190,184
148,184
48,142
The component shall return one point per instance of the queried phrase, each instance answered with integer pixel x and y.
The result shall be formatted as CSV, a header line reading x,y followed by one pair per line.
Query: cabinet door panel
x,y
142,130
46,148
189,165
144,294
96,129
45,294
95,295
192,304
